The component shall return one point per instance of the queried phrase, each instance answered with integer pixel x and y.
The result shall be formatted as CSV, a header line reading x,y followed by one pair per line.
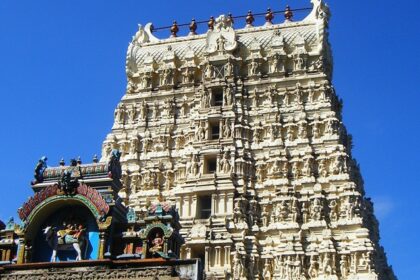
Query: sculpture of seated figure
x,y
157,244
71,234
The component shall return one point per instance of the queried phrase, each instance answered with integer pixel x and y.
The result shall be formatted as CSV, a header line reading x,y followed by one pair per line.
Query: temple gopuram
x,y
227,159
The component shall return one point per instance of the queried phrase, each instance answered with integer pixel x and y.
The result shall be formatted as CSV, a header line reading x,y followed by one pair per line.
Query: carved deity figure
x,y
322,168
143,111
267,274
238,266
275,66
296,169
333,210
290,133
194,169
307,167
305,212
338,166
134,145
147,143
201,132
313,267
253,68
180,141
316,130
205,97
157,244
326,265
120,114
208,71
316,210
237,213
302,131
132,113
265,216
344,266
261,172
227,97
294,213
229,69
224,163
155,110
226,129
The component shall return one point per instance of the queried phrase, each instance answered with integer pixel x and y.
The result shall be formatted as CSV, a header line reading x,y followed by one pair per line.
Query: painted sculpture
x,y
71,237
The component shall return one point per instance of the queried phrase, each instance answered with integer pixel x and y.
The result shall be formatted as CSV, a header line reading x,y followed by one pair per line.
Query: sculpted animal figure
x,y
63,239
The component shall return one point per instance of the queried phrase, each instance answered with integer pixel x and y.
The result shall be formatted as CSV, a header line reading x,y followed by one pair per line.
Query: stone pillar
x,y
185,206
217,254
144,248
227,256
206,258
193,206
21,251
229,204
102,244
214,207
179,205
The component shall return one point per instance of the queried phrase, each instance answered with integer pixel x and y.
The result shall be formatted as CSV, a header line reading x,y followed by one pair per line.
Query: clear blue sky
x,y
62,74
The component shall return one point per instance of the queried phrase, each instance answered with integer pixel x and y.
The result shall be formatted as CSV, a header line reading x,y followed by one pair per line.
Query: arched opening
x,y
71,222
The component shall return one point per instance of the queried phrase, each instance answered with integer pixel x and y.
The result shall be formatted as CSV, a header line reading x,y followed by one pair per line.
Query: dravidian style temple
x,y
228,159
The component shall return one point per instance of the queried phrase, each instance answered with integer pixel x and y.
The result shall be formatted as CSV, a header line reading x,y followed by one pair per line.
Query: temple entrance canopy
x,y
72,213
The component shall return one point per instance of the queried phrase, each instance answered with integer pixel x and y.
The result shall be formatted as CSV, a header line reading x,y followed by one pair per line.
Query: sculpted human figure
x,y
261,172
295,169
316,210
237,266
157,244
134,145
322,168
227,97
265,216
253,68
344,267
313,267
305,212
155,110
267,270
316,130
294,213
338,165
228,69
307,167
120,114
275,64
227,131
132,113
195,166
147,142
205,98
302,131
290,133
326,264
333,210
180,141
208,71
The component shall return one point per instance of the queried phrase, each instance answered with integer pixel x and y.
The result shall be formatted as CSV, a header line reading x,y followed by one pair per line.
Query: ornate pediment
x,y
222,38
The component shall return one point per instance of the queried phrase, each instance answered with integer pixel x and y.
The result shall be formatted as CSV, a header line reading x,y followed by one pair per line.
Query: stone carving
x,y
222,38
224,163
198,231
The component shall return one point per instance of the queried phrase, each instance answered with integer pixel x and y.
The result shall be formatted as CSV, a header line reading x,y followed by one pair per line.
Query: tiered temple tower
x,y
242,130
